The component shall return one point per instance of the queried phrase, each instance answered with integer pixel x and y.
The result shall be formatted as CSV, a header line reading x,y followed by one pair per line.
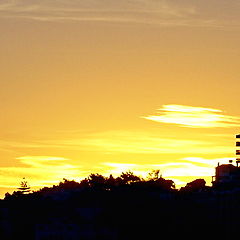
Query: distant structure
x,y
228,175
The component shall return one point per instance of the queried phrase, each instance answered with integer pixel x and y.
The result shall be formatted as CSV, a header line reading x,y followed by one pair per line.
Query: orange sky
x,y
108,86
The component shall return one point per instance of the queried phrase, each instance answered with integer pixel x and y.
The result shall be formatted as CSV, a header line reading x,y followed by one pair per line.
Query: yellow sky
x,y
109,86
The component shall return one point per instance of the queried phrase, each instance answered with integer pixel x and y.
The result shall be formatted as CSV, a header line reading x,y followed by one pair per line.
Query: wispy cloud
x,y
180,171
161,12
161,6
193,167
194,117
209,162
43,161
181,168
122,141
141,142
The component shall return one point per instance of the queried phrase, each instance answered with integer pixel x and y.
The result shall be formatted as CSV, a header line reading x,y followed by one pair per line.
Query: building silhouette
x,y
228,175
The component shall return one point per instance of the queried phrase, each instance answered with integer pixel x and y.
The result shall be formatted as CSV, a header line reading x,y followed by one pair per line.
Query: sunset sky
x,y
105,86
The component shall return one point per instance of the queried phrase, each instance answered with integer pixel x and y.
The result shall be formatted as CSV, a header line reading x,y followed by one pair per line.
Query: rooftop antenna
x,y
238,149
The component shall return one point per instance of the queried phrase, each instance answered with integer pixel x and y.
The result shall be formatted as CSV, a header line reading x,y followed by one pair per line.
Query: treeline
x,y
120,208
127,180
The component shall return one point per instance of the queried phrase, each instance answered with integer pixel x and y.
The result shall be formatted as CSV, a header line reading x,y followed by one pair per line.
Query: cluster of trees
x,y
126,181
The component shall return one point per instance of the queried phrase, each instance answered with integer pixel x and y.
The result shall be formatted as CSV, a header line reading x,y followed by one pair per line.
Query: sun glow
x,y
40,170
111,86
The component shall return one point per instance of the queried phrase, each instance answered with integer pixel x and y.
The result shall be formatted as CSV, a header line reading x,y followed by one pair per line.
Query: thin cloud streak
x,y
192,167
164,13
185,167
133,142
209,162
169,170
194,117
137,142
165,7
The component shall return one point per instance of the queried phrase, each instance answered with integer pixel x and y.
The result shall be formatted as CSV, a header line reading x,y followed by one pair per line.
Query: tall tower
x,y
237,149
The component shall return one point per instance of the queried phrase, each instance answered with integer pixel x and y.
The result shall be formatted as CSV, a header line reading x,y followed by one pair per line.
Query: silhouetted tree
x,y
67,184
155,180
96,180
154,175
165,184
7,196
84,183
24,187
129,177
111,182
196,185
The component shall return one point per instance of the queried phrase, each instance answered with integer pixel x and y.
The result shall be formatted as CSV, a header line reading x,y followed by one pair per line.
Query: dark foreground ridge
x,y
122,208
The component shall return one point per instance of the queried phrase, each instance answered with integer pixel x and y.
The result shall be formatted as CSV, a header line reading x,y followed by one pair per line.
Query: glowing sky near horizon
x,y
110,86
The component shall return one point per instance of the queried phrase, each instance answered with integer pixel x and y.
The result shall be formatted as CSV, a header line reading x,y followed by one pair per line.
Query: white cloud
x,y
194,117
209,162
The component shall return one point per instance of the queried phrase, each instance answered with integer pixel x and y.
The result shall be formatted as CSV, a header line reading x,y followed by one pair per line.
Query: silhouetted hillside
x,y
126,207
